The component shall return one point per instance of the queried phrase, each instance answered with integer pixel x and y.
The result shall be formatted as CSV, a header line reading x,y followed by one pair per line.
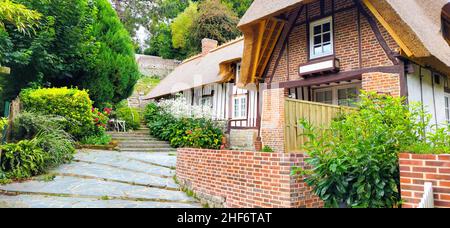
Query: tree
x,y
114,72
238,6
18,15
79,43
182,25
215,21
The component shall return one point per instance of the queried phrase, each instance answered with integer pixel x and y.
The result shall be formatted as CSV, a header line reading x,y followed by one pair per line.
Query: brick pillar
x,y
382,83
272,119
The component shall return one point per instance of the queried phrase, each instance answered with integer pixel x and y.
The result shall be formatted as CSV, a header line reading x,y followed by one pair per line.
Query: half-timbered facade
x,y
209,80
321,53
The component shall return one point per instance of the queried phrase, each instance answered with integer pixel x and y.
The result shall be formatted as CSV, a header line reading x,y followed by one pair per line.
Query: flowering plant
x,y
100,119
180,108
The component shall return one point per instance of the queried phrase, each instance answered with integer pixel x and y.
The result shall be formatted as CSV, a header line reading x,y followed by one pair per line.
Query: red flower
x,y
96,119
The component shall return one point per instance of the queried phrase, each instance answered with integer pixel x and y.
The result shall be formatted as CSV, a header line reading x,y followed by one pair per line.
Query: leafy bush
x,y
59,148
23,159
49,135
131,117
3,124
72,104
355,162
100,121
103,139
183,132
435,142
27,125
267,149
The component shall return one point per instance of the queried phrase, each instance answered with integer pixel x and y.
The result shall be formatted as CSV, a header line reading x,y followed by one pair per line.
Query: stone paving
x,y
103,179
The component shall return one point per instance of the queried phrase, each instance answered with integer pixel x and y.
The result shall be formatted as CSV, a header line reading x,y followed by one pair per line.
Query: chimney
x,y
208,45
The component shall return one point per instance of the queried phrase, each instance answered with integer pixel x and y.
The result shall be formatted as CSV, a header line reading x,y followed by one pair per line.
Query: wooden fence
x,y
318,114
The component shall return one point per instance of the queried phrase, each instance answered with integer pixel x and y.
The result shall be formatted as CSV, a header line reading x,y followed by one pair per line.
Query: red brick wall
x,y
236,179
273,119
415,169
382,83
346,42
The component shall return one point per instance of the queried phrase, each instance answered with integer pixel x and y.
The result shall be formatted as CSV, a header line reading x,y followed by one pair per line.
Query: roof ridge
x,y
229,43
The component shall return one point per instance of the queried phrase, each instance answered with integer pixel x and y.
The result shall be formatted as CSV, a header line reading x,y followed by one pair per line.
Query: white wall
x,y
429,92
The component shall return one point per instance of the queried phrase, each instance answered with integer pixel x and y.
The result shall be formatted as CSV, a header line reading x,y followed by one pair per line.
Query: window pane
x,y
342,94
447,108
317,40
327,37
327,49
236,107
243,106
317,29
318,50
326,27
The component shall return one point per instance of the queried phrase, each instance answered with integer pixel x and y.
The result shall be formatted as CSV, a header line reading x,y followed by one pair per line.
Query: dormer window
x,y
321,38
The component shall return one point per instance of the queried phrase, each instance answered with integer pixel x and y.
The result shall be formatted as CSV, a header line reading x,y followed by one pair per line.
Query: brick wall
x,y
236,179
243,139
382,83
273,119
346,43
415,169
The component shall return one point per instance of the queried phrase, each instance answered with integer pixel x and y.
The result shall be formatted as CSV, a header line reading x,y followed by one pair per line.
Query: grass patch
x,y
146,84
46,177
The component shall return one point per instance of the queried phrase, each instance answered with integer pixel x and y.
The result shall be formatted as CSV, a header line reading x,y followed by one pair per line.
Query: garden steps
x,y
140,141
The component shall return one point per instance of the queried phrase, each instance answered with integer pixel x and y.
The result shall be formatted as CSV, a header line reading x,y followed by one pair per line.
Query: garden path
x,y
103,179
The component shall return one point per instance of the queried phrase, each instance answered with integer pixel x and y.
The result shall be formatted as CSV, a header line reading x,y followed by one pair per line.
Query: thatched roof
x,y
265,8
199,70
416,22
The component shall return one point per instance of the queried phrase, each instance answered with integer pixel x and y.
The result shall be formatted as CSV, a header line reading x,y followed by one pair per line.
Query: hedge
x,y
72,104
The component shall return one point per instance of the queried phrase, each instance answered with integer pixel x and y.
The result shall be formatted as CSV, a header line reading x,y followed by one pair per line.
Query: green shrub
x,y
59,148
3,124
27,125
103,139
22,160
131,117
49,134
72,104
183,132
267,149
436,141
355,162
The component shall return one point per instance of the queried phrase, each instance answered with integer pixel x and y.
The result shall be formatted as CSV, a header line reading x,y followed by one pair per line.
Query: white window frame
x,y
311,37
447,108
241,112
334,91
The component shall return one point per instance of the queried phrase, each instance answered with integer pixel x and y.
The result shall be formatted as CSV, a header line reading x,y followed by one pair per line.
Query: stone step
x,y
133,136
130,133
148,146
147,150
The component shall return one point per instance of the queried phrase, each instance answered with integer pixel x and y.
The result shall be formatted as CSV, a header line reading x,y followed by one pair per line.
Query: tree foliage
x,y
113,73
79,43
182,26
215,21
238,6
18,15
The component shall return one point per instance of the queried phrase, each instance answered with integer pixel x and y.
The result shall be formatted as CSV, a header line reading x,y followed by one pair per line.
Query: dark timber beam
x,y
337,77
373,24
